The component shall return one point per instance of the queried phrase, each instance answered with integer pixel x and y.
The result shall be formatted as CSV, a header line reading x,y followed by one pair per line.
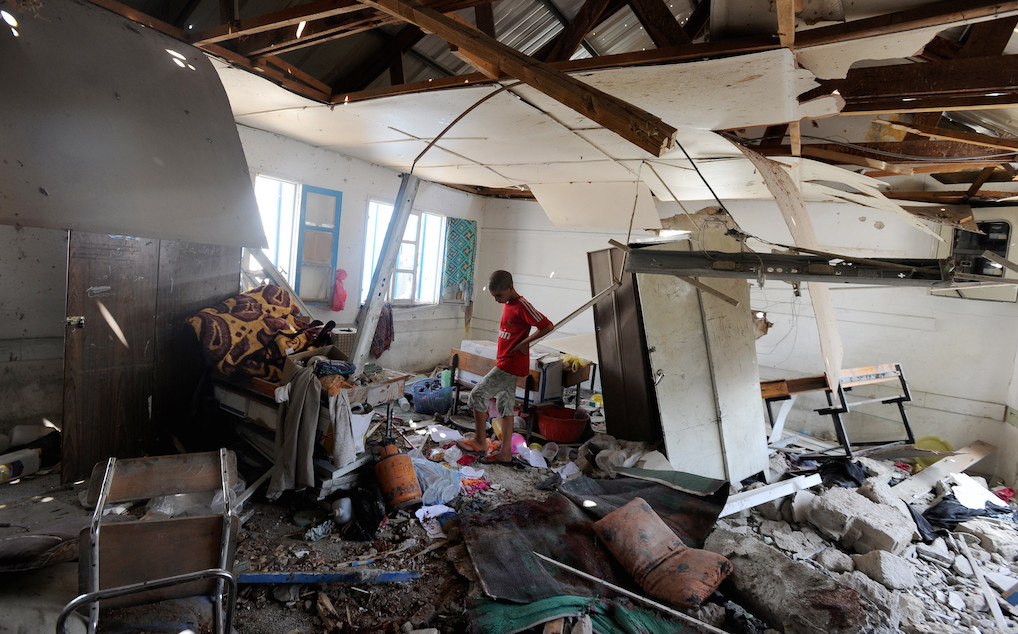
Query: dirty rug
x,y
502,542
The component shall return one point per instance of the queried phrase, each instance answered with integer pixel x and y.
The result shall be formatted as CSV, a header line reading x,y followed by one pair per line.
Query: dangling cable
x,y
460,117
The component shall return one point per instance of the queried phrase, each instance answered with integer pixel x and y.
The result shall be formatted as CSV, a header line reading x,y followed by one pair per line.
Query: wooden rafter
x,y
405,38
568,40
631,123
909,152
786,10
484,18
660,24
346,21
287,18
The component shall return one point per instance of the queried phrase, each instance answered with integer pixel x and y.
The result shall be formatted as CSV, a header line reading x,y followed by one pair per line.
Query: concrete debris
x,y
791,565
834,560
993,537
790,594
892,571
859,523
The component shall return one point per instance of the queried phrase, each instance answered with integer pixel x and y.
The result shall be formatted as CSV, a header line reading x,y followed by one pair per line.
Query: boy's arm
x,y
537,334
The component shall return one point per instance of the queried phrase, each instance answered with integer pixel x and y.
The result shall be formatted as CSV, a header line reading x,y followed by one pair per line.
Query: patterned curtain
x,y
460,248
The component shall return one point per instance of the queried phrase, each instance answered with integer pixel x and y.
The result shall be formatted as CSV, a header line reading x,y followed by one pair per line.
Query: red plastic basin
x,y
561,424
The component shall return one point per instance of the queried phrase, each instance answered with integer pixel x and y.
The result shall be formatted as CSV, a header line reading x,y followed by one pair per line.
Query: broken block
x,y
859,523
992,538
892,571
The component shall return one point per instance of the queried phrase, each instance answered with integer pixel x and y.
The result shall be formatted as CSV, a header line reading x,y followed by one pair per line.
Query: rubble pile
x,y
838,559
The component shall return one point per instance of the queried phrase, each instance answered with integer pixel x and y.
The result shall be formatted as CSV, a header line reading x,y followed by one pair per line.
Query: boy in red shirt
x,y
512,361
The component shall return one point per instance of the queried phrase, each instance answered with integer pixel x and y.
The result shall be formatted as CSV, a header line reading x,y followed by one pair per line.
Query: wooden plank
x,y
290,17
144,478
563,45
926,479
748,499
631,123
934,132
786,21
777,388
477,364
484,18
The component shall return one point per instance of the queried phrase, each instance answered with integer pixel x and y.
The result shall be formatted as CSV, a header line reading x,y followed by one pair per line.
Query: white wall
x,y
424,336
32,292
548,264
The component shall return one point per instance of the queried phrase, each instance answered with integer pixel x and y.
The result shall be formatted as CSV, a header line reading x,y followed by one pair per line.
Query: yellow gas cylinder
x,y
396,477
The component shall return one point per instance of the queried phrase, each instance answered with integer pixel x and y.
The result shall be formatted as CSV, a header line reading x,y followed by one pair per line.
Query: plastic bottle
x,y
446,378
19,463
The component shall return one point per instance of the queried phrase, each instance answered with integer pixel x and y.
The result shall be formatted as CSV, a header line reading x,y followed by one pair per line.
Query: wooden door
x,y
108,362
630,403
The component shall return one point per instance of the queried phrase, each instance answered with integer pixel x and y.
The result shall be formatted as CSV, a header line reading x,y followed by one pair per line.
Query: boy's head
x,y
500,285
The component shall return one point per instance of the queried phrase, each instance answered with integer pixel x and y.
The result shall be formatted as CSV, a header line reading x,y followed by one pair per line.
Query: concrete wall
x,y
32,289
549,265
424,335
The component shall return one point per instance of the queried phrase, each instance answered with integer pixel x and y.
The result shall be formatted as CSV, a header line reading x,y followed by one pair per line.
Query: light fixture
x,y
9,19
300,28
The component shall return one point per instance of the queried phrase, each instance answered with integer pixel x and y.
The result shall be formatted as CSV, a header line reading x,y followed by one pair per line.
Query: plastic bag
x,y
440,484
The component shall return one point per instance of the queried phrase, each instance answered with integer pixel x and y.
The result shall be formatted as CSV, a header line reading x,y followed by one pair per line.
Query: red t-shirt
x,y
518,316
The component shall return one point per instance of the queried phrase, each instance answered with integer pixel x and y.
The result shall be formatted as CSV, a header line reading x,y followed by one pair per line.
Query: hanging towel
x,y
295,436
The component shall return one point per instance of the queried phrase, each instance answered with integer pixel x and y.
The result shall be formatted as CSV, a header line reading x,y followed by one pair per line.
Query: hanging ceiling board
x,y
604,205
587,171
832,61
697,143
800,225
317,126
400,154
251,93
129,139
717,94
478,175
729,178
553,146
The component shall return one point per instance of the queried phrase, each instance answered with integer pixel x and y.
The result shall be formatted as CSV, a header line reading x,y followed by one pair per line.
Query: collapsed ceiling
x,y
909,100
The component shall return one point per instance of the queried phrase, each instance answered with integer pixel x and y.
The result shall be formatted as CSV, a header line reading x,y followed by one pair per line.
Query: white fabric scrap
x,y
428,517
442,434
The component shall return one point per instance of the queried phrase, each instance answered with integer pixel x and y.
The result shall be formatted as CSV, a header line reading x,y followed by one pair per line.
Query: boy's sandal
x,y
469,445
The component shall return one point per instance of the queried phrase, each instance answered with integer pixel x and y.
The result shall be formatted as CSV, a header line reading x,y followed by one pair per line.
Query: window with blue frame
x,y
301,225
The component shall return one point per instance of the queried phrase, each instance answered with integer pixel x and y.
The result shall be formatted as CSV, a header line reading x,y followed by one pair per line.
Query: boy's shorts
x,y
497,384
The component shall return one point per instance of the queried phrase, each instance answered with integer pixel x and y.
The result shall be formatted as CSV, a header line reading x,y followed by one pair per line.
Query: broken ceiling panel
x,y
729,178
602,205
832,61
478,175
552,146
719,94
132,136
696,142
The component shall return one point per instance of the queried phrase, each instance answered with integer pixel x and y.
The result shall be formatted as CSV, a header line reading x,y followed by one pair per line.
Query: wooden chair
x,y
150,560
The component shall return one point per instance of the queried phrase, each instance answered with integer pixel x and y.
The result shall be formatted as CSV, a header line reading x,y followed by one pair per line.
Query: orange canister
x,y
396,477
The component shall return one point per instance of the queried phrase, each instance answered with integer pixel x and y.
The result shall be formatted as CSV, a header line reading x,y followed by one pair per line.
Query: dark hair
x,y
500,281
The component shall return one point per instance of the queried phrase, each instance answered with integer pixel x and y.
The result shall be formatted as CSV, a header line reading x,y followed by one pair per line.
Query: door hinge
x,y
78,321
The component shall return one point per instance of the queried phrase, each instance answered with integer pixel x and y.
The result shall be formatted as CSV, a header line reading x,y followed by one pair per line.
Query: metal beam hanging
x,y
792,268
367,317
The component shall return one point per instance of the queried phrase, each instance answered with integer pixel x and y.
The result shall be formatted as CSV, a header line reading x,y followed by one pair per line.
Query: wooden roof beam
x,y
360,18
631,123
276,20
405,38
972,138
958,84
660,24
561,46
